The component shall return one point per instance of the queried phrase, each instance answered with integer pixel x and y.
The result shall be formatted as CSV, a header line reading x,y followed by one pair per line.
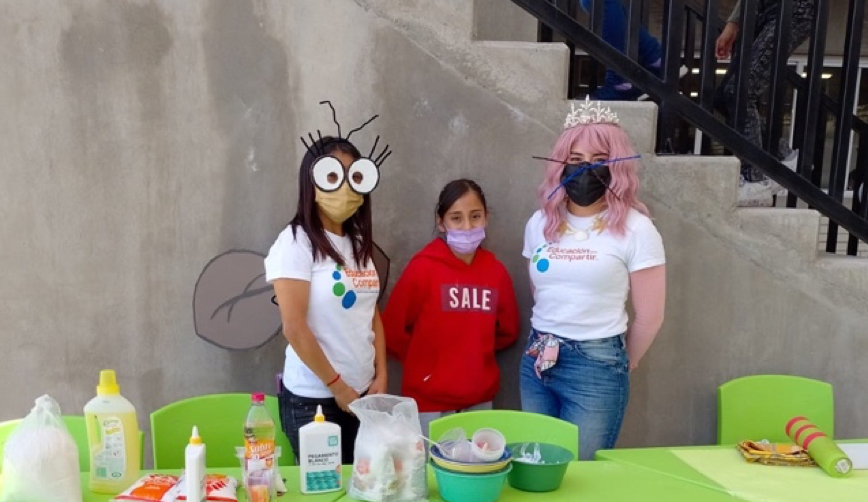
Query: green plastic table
x,y
722,468
610,482
291,475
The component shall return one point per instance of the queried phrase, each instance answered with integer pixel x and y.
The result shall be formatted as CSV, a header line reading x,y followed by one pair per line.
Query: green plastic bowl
x,y
461,487
542,477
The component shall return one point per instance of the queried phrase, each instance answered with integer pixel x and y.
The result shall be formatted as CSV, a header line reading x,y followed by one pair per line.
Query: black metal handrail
x,y
677,111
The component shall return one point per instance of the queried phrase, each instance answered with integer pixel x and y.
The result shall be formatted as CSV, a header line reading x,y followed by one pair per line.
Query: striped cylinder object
x,y
820,447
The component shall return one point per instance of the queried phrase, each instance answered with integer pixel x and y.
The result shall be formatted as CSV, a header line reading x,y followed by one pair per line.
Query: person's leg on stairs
x,y
755,189
614,32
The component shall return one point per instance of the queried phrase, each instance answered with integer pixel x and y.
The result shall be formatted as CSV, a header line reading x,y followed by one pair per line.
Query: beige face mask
x,y
339,205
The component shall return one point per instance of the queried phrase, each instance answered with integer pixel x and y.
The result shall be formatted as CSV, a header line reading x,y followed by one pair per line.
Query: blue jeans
x,y
589,386
614,31
296,411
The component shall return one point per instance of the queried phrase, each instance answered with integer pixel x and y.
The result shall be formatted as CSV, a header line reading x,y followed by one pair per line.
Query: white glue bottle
x,y
194,468
320,455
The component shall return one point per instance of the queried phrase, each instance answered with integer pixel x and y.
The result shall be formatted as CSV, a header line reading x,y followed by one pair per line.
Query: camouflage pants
x,y
762,57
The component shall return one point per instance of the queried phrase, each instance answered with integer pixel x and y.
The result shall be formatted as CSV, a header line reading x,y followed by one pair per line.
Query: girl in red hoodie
x,y
451,309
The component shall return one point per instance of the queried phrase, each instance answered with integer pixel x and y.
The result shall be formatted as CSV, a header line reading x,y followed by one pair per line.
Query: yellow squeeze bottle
x,y
113,436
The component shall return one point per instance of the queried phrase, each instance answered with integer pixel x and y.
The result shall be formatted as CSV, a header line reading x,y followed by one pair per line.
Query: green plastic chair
x,y
758,407
516,427
220,419
77,429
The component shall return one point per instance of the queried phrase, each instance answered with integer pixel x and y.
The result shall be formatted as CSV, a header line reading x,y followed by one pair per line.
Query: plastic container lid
x,y
258,397
108,383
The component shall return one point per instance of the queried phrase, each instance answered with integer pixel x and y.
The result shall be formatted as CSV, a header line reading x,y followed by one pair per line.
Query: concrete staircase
x,y
530,77
749,290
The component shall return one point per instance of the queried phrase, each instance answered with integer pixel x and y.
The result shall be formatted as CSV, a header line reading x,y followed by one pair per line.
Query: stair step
x,y
547,65
842,240
499,20
704,187
792,230
849,271
442,20
639,119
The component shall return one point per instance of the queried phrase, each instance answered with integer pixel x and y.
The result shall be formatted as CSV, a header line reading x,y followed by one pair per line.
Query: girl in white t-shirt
x,y
589,245
327,288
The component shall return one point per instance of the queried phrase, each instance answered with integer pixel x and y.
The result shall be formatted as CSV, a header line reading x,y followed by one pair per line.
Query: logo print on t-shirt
x,y
541,264
340,290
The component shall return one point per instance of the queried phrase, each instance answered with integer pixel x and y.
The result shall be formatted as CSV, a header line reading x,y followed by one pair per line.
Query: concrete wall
x,y
140,139
747,294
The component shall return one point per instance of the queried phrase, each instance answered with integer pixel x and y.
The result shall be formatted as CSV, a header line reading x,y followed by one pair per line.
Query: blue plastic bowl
x,y
460,487
470,467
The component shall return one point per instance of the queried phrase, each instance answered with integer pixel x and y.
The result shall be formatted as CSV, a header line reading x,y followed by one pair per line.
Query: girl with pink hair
x,y
590,244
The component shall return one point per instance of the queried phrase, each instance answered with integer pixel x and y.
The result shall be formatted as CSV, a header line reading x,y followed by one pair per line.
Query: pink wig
x,y
605,138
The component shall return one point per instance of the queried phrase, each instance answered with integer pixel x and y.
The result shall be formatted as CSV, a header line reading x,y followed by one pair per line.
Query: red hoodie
x,y
444,321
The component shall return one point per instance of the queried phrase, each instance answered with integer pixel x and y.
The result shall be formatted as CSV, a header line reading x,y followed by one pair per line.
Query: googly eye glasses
x,y
328,175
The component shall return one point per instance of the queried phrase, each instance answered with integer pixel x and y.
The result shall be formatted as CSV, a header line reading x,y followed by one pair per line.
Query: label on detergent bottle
x,y
110,461
323,462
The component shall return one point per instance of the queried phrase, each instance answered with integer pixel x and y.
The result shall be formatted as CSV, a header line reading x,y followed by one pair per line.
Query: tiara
x,y
590,113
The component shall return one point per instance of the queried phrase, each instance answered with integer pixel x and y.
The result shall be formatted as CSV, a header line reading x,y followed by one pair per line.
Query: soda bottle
x,y
259,431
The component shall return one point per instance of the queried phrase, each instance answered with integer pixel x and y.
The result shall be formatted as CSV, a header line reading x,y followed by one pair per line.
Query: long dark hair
x,y
359,227
453,191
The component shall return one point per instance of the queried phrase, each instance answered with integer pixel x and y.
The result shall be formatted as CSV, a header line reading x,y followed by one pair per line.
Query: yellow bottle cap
x,y
194,438
108,384
319,417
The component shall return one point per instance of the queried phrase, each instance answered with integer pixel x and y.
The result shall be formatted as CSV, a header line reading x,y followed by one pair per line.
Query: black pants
x,y
759,68
296,411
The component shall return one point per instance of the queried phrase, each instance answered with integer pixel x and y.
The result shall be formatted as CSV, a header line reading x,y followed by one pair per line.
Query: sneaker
x,y
658,72
792,163
608,92
792,160
756,193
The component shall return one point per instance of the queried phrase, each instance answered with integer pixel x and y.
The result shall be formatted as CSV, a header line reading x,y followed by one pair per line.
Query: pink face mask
x,y
465,241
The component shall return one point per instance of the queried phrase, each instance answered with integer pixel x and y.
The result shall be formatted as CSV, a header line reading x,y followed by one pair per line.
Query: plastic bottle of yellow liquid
x,y
320,455
113,436
259,432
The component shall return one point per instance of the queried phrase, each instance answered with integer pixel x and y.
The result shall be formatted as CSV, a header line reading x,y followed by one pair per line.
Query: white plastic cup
x,y
276,481
488,444
260,486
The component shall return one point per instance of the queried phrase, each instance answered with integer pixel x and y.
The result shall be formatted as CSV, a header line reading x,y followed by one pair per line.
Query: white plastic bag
x,y
390,459
40,459
454,445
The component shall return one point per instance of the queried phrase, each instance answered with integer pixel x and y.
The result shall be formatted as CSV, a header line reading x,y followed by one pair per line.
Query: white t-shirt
x,y
340,311
581,286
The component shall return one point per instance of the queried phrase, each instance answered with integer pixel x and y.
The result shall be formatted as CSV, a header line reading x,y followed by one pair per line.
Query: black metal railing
x,y
815,183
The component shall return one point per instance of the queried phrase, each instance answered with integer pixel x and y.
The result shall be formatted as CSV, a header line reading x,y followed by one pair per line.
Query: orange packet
x,y
150,488
218,488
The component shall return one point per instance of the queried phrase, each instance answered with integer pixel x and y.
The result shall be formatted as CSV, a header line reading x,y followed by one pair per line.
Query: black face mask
x,y
588,186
